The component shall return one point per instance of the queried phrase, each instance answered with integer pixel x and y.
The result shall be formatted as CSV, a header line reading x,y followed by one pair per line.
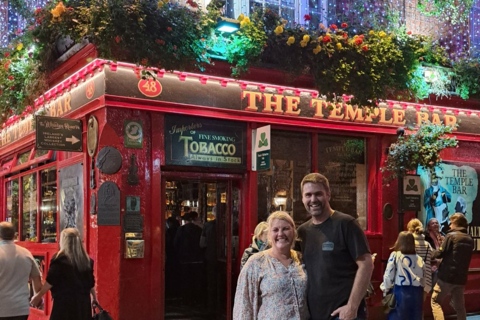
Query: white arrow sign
x,y
73,139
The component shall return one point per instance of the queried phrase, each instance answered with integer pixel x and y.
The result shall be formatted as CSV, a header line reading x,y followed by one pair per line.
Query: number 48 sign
x,y
150,87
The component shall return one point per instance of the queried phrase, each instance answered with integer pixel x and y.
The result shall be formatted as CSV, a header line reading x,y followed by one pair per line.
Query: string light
x,y
11,23
362,15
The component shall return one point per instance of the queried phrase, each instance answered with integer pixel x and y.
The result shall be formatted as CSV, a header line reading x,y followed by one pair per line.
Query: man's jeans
x,y
441,290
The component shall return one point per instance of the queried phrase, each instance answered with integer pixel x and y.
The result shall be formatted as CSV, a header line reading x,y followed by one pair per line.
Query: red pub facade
x,y
145,144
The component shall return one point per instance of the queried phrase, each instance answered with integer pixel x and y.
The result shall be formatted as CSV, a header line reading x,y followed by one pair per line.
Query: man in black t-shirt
x,y
336,255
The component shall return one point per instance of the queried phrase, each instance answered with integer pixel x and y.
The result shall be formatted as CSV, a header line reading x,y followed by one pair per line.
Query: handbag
x,y
389,302
100,314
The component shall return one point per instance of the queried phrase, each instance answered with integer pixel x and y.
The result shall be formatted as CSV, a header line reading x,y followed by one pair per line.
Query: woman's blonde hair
x,y
71,246
282,215
415,226
259,229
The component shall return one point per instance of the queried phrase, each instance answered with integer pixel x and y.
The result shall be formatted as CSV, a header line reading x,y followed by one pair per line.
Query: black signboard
x,y
193,141
58,134
108,204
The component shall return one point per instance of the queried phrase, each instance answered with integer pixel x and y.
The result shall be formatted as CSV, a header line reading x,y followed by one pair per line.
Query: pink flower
x,y
118,39
169,29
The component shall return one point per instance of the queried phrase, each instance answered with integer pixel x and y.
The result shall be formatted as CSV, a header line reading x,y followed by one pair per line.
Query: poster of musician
x,y
71,197
450,188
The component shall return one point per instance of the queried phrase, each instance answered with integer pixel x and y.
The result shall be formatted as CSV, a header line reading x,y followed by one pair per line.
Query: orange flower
x,y
365,48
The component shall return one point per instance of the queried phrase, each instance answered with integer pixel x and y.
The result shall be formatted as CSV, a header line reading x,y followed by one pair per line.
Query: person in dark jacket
x,y
456,253
190,257
70,279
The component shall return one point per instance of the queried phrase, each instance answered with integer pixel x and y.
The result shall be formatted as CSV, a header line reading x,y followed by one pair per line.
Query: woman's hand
x,y
36,301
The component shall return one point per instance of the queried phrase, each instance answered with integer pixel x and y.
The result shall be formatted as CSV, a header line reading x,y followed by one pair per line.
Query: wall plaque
x,y
108,212
109,160
132,222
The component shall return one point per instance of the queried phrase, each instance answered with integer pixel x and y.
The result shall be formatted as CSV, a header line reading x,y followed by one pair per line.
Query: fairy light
x,y
11,23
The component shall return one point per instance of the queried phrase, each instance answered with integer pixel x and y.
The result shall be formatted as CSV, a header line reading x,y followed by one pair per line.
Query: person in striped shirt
x,y
424,250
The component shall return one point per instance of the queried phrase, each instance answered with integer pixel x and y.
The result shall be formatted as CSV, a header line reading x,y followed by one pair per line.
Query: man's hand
x,y
345,313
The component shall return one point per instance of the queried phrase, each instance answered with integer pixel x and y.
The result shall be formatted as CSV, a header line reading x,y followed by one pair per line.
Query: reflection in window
x,y
29,223
23,158
12,204
278,188
342,161
40,153
48,205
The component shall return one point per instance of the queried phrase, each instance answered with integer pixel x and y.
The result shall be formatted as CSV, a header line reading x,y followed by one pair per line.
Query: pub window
x,y
12,204
342,161
279,187
29,217
31,205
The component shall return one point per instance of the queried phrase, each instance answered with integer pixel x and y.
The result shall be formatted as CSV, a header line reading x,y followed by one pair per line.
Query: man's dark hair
x,y
7,231
459,220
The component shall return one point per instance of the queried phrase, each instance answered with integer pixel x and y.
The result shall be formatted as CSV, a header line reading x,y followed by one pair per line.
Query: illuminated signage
x,y
204,142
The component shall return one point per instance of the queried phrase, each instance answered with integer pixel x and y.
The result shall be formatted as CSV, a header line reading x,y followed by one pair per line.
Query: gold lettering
x,y
67,103
318,105
398,117
383,117
336,112
291,106
436,118
353,113
421,117
252,98
272,100
450,120
373,114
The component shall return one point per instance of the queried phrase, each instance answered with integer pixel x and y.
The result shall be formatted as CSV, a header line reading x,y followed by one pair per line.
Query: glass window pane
x,y
342,161
29,217
279,187
48,205
40,153
12,204
23,158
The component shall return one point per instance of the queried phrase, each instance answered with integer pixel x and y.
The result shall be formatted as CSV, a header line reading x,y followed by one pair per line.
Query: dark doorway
x,y
201,242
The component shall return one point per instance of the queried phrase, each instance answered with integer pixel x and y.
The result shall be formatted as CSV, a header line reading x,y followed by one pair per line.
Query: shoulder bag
x,y
389,302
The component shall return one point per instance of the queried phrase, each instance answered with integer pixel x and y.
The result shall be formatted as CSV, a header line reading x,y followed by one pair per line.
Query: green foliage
x,y
454,11
467,77
420,148
370,66
20,80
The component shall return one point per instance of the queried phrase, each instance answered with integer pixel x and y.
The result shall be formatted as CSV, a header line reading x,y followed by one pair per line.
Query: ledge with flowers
x,y
370,66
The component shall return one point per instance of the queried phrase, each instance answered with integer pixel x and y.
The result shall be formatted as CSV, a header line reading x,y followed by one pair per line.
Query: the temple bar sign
x,y
58,134
193,141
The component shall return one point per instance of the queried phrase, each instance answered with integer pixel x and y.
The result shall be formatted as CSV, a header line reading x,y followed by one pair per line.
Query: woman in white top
x,y
273,283
424,250
405,276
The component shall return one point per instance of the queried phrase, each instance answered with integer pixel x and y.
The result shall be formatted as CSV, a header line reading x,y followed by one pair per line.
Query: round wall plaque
x,y
92,135
109,160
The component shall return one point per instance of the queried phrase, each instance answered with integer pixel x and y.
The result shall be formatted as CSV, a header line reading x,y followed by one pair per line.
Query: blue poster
x,y
450,188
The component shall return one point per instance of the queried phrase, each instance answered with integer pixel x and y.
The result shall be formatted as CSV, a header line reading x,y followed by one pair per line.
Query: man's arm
x,y
362,279
37,283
